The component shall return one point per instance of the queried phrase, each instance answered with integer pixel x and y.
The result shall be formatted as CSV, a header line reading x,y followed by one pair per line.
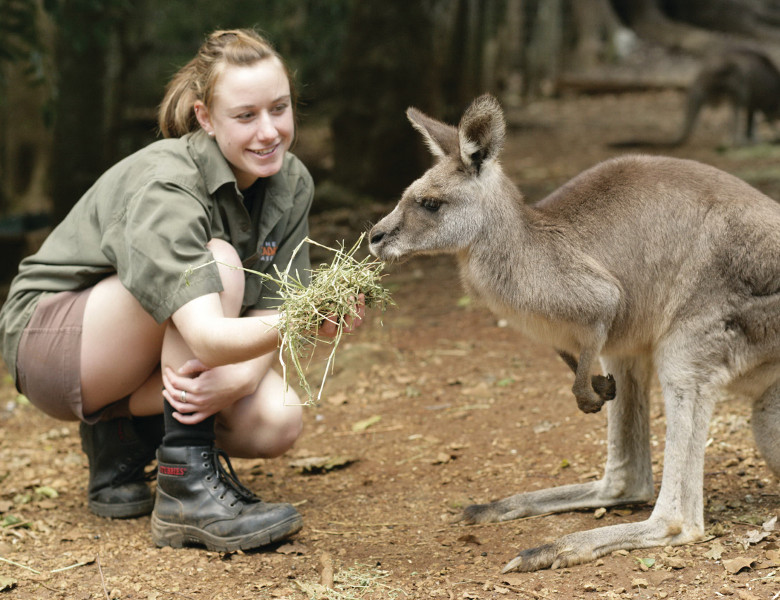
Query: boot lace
x,y
229,478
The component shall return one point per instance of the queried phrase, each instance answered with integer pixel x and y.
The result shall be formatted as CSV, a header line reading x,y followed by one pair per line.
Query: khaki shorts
x,y
48,365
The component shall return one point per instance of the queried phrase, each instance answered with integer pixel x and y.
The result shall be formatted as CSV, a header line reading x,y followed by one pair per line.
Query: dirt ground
x,y
432,406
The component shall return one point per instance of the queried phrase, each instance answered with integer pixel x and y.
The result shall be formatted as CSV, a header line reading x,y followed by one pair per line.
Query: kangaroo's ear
x,y
442,139
481,132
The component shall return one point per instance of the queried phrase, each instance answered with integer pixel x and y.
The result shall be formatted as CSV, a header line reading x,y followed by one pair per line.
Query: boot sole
x,y
178,536
126,510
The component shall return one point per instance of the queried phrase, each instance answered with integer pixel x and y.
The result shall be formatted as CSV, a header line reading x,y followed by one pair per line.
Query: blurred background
x,y
80,80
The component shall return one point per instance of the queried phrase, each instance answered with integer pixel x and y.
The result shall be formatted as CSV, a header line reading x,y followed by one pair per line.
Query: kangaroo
x,y
745,78
653,264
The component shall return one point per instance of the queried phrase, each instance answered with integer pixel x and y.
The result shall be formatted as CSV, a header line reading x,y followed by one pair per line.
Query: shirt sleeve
x,y
158,245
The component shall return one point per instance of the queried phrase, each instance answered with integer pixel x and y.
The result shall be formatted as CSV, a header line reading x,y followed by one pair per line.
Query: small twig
x,y
168,591
81,564
102,579
493,523
16,564
368,430
342,523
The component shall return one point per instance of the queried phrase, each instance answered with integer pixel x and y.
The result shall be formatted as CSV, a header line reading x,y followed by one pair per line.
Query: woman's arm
x,y
218,340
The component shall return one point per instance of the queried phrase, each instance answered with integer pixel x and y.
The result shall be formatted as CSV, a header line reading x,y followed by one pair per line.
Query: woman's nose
x,y
266,130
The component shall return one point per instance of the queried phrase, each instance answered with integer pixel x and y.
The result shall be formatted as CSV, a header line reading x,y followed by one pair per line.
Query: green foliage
x,y
19,41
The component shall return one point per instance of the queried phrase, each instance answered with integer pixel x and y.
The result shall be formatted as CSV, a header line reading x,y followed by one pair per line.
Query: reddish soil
x,y
461,411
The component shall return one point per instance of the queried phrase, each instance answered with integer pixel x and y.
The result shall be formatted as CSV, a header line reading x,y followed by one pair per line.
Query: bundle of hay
x,y
331,295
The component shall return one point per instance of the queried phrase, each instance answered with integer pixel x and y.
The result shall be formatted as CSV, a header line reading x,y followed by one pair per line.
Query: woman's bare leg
x,y
265,424
120,351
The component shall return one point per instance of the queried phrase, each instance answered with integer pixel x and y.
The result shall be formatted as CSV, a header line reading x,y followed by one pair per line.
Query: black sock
x,y
151,429
179,434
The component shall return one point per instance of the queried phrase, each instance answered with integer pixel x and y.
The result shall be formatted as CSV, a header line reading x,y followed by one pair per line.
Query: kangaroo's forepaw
x,y
544,557
590,403
604,386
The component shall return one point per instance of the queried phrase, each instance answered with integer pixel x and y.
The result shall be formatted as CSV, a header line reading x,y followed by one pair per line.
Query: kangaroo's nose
x,y
376,237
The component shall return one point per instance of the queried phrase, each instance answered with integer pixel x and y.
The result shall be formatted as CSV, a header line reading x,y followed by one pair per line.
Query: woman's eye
x,y
430,204
280,108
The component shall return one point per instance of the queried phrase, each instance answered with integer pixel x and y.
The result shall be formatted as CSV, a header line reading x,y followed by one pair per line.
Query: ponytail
x,y
196,80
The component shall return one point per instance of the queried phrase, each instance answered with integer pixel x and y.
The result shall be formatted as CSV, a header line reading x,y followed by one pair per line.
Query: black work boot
x,y
117,457
199,502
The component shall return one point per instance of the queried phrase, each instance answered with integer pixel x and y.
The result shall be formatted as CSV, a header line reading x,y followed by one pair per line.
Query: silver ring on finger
x,y
183,396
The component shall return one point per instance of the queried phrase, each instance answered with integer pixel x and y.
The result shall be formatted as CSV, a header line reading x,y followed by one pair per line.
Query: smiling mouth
x,y
266,152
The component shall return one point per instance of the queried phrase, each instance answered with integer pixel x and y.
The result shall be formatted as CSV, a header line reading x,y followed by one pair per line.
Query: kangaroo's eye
x,y
430,204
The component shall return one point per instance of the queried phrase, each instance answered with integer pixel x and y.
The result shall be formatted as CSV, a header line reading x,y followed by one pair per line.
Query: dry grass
x,y
331,296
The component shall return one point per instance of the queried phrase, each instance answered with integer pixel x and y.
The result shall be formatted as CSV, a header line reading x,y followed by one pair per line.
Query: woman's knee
x,y
261,437
282,437
265,425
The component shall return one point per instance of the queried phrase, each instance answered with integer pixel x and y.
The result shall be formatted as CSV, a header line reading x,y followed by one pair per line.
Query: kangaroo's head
x,y
444,210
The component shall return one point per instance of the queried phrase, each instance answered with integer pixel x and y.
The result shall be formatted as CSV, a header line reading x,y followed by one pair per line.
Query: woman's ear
x,y
202,114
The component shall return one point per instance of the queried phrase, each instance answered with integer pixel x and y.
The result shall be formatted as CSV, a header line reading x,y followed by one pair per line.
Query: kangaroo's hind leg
x,y
678,515
766,426
628,475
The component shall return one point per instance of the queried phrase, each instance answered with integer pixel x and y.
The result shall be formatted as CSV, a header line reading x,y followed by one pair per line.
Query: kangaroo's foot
x,y
592,494
584,546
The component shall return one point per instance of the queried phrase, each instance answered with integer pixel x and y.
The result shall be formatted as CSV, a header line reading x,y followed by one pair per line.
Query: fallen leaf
x,y
292,548
754,536
469,539
321,464
675,562
464,301
6,583
715,551
514,579
442,458
773,557
770,525
735,565
46,491
337,399
647,562
366,423
544,427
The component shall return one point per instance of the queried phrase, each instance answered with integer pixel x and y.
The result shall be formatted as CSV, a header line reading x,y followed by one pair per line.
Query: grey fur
x,y
656,265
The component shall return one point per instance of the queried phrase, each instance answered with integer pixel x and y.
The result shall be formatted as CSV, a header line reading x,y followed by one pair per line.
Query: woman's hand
x,y
196,391
329,327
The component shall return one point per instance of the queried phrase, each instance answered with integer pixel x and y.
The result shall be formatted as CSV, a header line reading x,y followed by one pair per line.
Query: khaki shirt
x,y
148,219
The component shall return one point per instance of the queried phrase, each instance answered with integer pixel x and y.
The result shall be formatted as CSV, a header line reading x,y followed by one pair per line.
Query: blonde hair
x,y
196,80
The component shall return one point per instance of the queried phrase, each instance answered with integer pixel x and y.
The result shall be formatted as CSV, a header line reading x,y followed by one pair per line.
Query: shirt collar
x,y
207,155
217,172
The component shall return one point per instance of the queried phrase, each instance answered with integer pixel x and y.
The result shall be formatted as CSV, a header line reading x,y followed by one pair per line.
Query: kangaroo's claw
x,y
604,386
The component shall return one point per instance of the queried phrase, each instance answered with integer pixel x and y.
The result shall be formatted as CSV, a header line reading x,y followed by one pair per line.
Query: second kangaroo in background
x,y
656,265
744,78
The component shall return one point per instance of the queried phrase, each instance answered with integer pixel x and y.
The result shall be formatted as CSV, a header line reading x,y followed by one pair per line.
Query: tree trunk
x,y
79,108
384,70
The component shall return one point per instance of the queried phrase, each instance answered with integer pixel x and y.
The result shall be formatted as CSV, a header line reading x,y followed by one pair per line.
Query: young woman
x,y
109,312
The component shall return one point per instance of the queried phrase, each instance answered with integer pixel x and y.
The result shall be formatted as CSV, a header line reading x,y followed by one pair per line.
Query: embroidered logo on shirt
x,y
269,251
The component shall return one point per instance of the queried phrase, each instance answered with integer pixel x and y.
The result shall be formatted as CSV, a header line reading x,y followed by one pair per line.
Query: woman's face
x,y
251,117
